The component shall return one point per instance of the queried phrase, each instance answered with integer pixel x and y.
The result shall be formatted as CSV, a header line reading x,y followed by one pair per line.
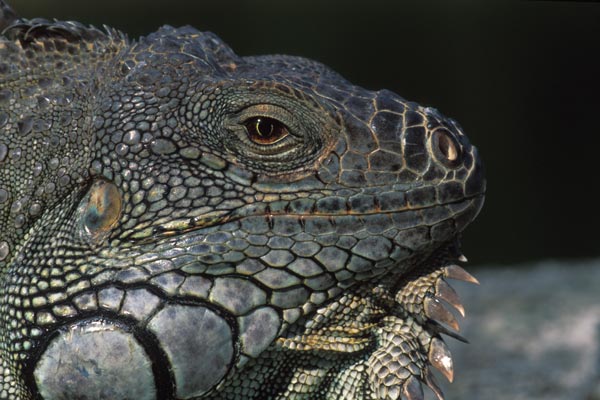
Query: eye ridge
x,y
265,130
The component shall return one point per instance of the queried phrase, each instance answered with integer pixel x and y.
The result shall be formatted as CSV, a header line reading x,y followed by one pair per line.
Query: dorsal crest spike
x,y
7,16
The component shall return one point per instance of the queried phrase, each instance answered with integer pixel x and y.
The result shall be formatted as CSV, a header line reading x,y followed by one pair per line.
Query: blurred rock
x,y
534,333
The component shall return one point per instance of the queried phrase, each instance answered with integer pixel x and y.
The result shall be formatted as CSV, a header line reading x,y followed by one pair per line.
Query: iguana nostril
x,y
446,148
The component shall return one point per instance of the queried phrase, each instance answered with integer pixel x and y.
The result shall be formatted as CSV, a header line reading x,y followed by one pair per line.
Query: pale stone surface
x,y
534,333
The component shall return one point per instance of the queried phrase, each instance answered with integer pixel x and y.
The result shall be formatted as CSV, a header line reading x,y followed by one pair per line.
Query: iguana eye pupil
x,y
264,127
264,130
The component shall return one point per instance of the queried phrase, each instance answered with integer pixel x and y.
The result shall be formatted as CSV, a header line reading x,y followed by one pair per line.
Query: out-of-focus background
x,y
523,79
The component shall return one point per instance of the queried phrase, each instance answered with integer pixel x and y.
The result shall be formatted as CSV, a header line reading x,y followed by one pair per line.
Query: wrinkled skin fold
x,y
179,222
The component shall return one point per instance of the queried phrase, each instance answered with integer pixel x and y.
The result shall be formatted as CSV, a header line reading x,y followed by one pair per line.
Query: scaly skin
x,y
178,222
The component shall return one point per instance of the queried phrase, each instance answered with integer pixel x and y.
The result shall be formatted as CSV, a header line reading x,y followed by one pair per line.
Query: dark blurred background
x,y
522,78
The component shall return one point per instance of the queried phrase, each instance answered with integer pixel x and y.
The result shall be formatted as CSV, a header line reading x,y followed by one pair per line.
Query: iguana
x,y
179,222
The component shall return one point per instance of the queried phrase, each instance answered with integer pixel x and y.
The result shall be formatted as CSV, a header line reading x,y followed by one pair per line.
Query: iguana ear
x,y
99,212
7,15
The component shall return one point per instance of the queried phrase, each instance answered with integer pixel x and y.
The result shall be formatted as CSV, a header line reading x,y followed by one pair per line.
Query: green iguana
x,y
179,222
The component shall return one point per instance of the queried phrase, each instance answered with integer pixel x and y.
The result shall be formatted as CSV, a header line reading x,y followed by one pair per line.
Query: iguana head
x,y
176,212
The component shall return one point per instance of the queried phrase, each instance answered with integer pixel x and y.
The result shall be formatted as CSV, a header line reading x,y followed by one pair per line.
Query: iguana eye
x,y
264,130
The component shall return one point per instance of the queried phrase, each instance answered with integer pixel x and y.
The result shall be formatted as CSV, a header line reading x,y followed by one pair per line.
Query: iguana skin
x,y
179,222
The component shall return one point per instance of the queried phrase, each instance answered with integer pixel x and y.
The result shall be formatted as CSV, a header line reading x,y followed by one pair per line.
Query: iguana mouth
x,y
188,225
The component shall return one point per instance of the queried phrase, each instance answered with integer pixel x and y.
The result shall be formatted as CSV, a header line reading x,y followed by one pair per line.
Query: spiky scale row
x,y
441,359
459,273
390,371
431,381
7,16
431,293
412,389
435,309
445,292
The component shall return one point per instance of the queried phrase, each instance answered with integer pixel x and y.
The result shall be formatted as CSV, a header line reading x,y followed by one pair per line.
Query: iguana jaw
x,y
470,206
